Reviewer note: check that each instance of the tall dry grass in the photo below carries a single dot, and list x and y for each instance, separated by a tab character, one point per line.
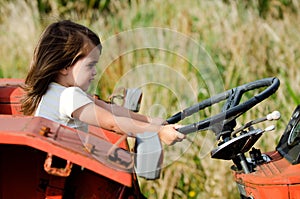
244	41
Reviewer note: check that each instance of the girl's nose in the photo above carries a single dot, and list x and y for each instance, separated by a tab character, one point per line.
94	72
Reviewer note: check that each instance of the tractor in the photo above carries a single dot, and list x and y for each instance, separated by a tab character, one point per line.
40	158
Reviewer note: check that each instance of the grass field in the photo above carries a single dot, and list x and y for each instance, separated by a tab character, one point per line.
178	53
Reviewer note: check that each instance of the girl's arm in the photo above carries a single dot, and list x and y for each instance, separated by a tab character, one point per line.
124	112
96	115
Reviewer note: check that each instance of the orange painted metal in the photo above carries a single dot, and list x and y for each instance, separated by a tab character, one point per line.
22	175
68	145
275	179
10	95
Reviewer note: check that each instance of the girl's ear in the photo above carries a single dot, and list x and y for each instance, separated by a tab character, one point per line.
64	71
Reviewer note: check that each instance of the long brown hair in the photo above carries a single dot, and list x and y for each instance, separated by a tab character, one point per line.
60	46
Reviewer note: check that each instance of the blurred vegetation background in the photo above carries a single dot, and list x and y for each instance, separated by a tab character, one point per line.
245	40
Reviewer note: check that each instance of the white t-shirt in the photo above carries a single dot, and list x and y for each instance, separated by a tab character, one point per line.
59	102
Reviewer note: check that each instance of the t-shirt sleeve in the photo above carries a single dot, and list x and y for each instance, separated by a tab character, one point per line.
71	99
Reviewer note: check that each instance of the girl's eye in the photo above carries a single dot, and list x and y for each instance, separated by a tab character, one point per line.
92	65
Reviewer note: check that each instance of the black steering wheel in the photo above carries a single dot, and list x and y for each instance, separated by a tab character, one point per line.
225	120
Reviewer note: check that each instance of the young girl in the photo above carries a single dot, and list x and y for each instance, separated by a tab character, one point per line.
61	71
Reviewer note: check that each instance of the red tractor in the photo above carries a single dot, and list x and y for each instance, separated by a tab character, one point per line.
42	159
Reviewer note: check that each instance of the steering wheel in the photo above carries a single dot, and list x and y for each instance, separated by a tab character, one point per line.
231	110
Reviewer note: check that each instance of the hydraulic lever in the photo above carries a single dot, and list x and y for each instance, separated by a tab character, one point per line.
275	115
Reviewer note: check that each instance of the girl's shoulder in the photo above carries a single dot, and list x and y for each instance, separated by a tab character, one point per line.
61	88
73	90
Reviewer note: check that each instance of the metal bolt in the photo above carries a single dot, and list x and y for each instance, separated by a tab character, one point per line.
45	131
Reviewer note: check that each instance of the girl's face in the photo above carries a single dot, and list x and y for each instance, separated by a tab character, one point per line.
84	70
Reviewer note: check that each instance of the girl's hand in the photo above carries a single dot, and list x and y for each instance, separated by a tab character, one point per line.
169	135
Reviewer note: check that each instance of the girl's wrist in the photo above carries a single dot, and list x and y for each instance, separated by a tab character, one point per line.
157	121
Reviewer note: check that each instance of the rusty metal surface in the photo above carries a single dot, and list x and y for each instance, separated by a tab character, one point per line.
84	149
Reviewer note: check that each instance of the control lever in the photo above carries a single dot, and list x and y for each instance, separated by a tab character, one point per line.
275	115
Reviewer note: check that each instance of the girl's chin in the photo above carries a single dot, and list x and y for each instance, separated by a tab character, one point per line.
85	88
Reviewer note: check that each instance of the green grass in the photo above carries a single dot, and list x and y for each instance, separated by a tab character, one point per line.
192	51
